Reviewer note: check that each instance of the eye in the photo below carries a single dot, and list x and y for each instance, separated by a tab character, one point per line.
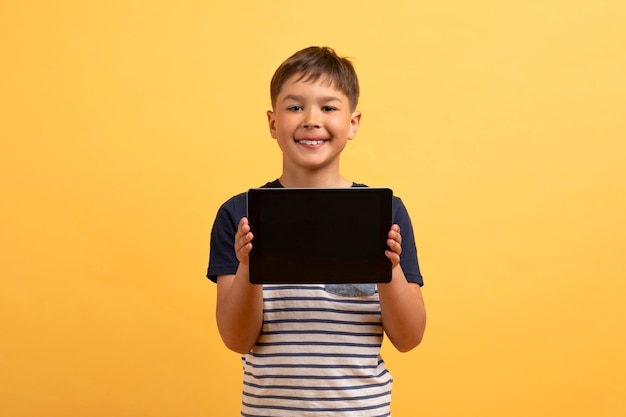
294	108
328	108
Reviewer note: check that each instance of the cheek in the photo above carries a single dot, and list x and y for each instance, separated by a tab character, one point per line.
282	128
284	131
286	124
343	128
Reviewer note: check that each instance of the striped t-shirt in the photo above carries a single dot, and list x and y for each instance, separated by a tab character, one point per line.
318	354
319	349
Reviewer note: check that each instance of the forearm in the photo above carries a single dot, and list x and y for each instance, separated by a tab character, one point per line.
239	311
403	311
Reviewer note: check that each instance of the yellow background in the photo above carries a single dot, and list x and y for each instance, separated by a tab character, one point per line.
125	124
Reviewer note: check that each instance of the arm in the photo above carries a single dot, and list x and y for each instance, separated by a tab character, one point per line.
401	302
239	310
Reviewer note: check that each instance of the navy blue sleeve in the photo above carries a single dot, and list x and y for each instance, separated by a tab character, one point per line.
222	257
408	257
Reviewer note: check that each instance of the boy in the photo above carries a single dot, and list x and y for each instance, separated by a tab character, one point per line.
314	350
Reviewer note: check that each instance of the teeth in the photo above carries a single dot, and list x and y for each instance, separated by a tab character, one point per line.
311	142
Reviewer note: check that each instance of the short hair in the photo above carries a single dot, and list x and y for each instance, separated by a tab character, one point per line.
316	62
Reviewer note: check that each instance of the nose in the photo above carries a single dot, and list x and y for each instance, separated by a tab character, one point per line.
311	120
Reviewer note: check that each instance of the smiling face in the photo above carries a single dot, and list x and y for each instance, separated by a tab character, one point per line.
312	122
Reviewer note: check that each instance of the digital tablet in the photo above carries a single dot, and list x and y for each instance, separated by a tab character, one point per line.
314	235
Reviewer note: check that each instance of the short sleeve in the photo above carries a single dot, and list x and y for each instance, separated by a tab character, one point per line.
222	257
408	257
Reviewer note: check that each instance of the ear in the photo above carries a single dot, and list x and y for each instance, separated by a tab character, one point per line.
355	121
271	121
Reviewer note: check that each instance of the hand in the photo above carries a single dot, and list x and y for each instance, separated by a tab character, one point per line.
243	239
394	242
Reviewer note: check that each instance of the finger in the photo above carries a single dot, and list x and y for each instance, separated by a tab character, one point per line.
394	246
243	240
245	249
395	236
394	231
393	257
244	227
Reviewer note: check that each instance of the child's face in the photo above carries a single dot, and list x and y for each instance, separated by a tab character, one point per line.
312	122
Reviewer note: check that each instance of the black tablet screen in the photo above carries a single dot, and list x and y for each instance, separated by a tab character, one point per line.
315	235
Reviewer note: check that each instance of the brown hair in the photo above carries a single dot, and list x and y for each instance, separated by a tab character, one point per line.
313	63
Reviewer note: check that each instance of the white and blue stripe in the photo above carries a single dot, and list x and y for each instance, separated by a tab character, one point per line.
318	354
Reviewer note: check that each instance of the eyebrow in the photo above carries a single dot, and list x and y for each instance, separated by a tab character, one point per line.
324	99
